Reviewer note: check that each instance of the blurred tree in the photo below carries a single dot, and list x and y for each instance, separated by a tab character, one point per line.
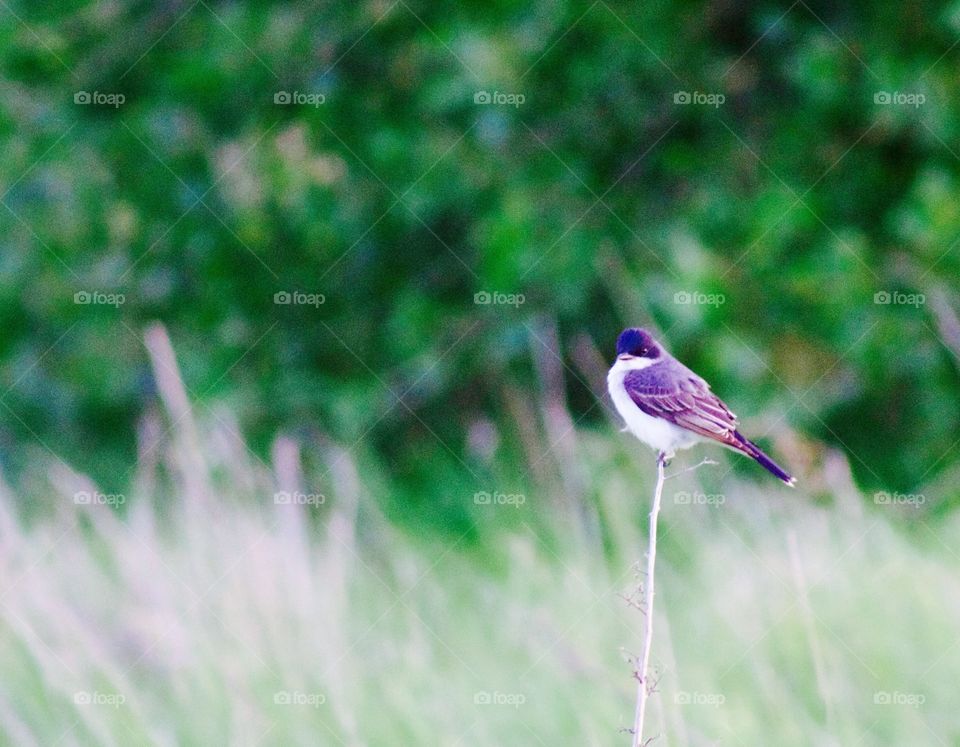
634	162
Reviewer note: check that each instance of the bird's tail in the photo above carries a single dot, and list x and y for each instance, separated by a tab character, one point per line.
752	450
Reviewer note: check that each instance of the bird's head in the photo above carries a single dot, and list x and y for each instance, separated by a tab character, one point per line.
637	343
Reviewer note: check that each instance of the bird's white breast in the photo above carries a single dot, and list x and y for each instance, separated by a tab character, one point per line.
656	433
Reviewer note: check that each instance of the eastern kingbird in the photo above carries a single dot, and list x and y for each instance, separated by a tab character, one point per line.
669	407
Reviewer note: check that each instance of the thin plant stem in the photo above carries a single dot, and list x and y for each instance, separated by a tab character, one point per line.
643	691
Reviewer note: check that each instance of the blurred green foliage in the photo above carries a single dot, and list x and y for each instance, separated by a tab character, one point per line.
398	198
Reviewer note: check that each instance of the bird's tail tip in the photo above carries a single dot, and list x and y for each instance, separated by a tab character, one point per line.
768	464
775	469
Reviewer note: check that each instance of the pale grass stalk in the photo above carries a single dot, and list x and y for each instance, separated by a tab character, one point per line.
173	392
643	691
644	686
816	649
948	323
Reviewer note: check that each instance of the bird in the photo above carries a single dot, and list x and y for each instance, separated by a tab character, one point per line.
668	407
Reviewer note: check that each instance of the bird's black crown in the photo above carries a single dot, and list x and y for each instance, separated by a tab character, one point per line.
638	342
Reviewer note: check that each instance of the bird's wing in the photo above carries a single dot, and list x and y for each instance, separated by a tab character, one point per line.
674	393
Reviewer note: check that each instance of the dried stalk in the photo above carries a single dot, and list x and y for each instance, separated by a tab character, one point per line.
643	692
645	687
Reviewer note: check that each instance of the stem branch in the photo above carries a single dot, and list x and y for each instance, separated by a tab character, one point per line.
690	469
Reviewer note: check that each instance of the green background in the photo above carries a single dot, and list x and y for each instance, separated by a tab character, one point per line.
398	198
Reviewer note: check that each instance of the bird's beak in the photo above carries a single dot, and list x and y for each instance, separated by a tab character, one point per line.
625	357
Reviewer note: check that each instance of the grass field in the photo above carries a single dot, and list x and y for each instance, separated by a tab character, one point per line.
212	607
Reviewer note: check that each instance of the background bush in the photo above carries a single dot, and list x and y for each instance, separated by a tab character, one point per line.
598	199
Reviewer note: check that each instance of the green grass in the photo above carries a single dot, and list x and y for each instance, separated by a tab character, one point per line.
186	620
